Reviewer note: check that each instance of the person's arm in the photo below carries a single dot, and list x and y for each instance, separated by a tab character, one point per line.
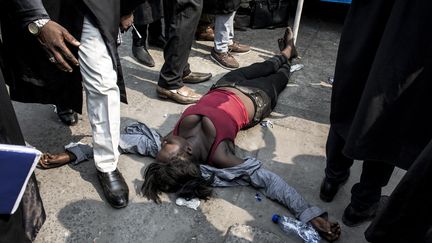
126	22
250	172
278	189
225	157
31	14
27	11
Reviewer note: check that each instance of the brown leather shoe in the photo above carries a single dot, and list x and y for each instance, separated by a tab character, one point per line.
238	48
196	77
224	59
205	33
183	95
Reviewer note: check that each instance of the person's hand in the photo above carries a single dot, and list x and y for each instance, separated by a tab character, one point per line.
126	22
53	37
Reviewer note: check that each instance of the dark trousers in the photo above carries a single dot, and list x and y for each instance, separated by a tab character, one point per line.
181	20
152	30
271	76
375	174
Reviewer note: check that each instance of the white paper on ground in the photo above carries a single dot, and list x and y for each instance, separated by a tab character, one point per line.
193	203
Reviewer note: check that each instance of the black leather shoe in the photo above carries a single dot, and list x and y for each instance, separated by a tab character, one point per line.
67	116
143	56
353	217
195	77
158	41
115	188
328	190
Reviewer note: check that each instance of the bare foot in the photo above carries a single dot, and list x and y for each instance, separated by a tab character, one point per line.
328	230
49	161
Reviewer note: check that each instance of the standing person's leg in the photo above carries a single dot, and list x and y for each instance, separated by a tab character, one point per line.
231	29
103	107
224	32
235	46
139	41
338	166
205	30
365	195
155	34
139	46
181	20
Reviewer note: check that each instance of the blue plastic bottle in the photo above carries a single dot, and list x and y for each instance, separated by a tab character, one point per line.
293	226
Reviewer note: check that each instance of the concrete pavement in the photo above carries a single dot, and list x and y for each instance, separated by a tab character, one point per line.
294	148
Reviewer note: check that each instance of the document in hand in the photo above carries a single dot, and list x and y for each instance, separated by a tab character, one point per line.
17	163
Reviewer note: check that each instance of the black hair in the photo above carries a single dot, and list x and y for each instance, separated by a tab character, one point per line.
178	175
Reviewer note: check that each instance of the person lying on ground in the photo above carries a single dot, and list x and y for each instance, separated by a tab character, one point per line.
200	151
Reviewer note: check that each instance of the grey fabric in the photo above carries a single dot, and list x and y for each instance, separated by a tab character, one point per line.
136	139
251	173
140	139
82	152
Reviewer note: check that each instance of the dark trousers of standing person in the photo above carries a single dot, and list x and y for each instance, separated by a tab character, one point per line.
181	20
148	32
374	176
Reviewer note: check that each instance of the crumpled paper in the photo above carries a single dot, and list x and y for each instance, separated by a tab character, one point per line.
193	203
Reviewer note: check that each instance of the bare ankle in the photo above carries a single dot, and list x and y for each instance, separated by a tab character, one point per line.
287	52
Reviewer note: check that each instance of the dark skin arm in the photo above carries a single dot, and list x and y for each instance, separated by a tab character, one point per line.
126	22
53	38
225	157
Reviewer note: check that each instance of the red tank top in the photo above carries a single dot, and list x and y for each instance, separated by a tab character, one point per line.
225	110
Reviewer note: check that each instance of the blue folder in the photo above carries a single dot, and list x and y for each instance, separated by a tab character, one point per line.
17	163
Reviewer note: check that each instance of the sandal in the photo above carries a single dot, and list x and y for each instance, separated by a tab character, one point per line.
50	161
288	40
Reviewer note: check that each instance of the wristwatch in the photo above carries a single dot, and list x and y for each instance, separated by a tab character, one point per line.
35	27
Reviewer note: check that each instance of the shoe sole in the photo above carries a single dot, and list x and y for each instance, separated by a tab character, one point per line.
381	204
143	63
196	82
220	64
117	207
349	224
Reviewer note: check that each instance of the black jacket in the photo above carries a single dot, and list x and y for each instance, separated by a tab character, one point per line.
382	90
407	214
31	77
148	12
24	224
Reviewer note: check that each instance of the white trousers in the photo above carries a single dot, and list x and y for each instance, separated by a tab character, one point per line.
103	96
224	31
